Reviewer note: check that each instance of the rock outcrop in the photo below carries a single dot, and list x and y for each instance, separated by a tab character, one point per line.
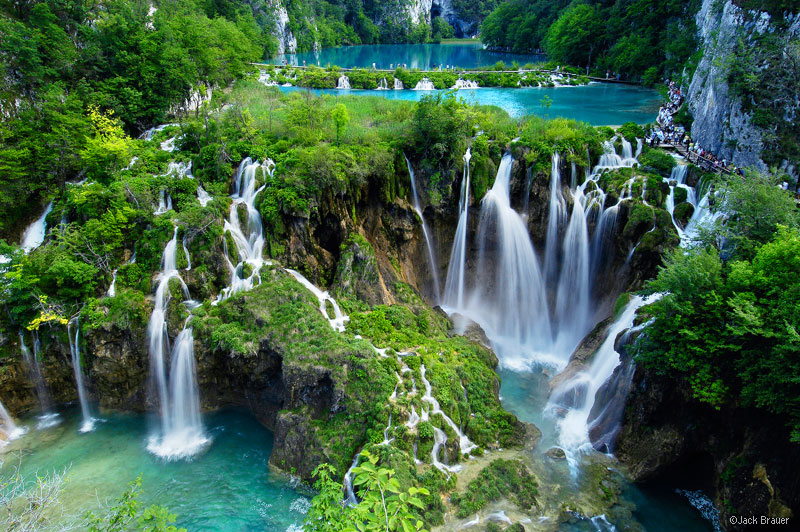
723	123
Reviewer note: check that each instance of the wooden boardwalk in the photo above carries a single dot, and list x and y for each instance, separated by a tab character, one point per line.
694	158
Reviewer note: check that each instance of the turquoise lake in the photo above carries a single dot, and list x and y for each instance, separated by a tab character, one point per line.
227	488
599	104
422	56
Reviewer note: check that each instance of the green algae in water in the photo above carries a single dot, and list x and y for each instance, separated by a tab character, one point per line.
227	488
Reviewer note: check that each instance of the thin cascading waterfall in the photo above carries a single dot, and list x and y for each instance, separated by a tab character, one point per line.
34	234
383	85
202	196
398	85
8	428
603	237
186	254
175	440
464	444
575	397
424	85
350	498
527	200
339	319
48	417
183	435
456	269
573	297
510	300
557	213
425	232
573	177
250	245
75	353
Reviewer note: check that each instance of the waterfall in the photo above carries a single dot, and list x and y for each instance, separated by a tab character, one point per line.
576	396
181	433
465	84
398	85
572	302
349	495
35	375
112	290
34	234
250	246
343	83
424	85
202	196
464	443
339	319
573	176
164	203
8	429
186	254
454	284
555	218
75	352
428	240
382	85
510	297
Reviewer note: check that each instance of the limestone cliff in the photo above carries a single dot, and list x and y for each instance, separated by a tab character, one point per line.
749	125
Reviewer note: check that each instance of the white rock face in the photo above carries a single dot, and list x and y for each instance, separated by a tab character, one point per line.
419	11
720	123
287	43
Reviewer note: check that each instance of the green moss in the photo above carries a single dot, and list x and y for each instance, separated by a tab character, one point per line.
658	160
500	479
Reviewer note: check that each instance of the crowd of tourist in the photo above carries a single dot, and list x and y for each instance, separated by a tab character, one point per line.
669	132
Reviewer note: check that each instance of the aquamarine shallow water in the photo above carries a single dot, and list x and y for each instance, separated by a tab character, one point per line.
228	488
599	104
657	508
422	56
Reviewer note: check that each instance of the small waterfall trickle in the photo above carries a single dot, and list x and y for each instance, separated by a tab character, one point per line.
343	83
462	84
339	318
425	232
398	85
456	269
181	432
383	85
112	289
34	234
202	196
164	203
347	484
75	352
186	254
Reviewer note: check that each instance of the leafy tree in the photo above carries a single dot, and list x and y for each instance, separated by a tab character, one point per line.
575	35
340	119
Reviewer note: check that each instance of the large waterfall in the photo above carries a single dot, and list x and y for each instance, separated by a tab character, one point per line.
456	269
75	352
181	432
47	418
428	241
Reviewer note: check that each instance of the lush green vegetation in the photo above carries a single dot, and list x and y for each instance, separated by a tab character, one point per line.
643	40
501	478
727	324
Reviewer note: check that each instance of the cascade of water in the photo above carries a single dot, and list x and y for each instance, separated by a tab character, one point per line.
250	246
576	396
34	234
382	85
639	146
35	373
349	495
456	269
75	352
425	232
465	84
181	432
186	254
573	178
424	85
339	318
572	301
8	428
164	203
398	85
202	196
343	83
557	214
112	290
627	149
464	443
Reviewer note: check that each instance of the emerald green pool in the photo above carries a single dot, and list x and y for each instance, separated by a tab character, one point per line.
228	488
